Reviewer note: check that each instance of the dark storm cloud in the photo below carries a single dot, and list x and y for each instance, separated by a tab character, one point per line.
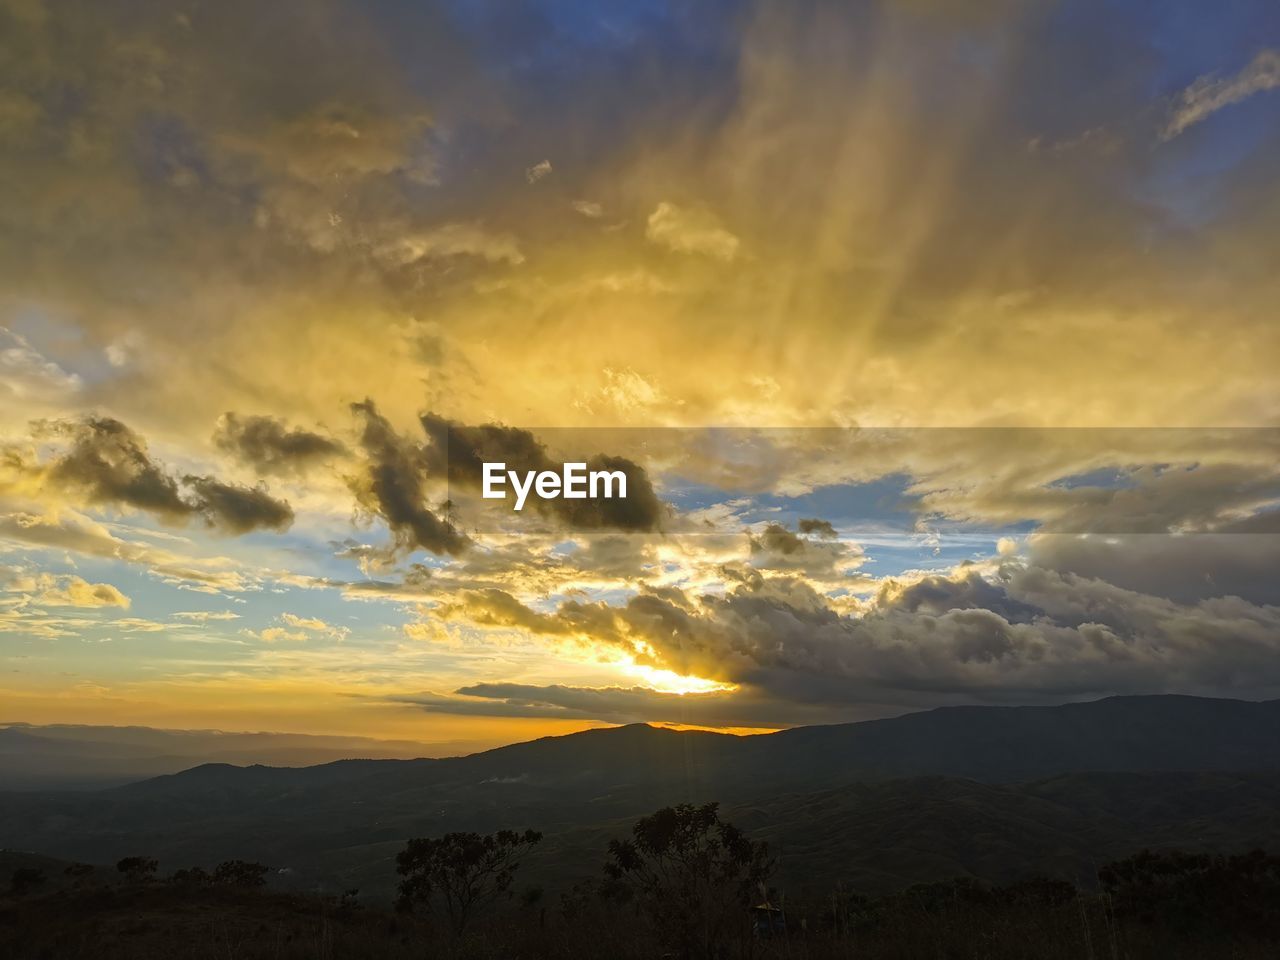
1023	631
237	508
1183	569
1169	498
777	548
937	595
270	447
108	464
459	452
817	527
779	539
391	484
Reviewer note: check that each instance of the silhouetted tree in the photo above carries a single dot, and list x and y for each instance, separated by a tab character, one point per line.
195	877
240	873
1217	895
460	873
693	873
138	869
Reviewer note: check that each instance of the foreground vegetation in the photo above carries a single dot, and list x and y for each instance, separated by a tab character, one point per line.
684	885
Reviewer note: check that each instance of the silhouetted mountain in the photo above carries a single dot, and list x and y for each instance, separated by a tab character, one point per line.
998	744
975	790
82	757
1014	743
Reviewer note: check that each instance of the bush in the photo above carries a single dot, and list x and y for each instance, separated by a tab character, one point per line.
694	874
460	873
240	873
1193	892
138	869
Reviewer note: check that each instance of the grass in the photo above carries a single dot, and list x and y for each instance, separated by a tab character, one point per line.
107	919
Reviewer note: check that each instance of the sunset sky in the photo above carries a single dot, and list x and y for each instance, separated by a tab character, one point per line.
945	335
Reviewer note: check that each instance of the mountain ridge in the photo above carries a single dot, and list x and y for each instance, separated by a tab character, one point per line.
1246	737
989	792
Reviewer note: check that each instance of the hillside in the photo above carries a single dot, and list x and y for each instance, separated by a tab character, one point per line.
986	792
82	757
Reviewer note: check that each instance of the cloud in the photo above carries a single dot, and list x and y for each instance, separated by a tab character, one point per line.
449	240
1209	94
238	509
206	616
635	704
71	531
690	230
1021	632
270	447
817	527
459	451
277	634
777	548
75	592
391	484
912	223
538	171
1187	569
305	623
27	377
50	590
337	140
296	629
108	464
1115	481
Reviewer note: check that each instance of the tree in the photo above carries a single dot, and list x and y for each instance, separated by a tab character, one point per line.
693	873
240	873
1231	895
137	869
461	873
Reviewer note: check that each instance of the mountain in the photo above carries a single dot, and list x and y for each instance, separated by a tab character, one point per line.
1016	743
82	757
998	744
986	791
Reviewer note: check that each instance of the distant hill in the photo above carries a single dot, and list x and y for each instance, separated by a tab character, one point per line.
84	757
997	744
985	791
1017	743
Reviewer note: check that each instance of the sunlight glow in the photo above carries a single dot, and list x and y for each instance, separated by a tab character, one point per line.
668	681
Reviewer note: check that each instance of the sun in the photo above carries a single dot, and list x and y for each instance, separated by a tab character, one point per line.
668	681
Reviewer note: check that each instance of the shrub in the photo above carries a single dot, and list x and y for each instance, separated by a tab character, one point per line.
694	874
1218	895
138	869
460	873
240	873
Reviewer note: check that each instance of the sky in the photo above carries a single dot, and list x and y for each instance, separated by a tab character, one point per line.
938	340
